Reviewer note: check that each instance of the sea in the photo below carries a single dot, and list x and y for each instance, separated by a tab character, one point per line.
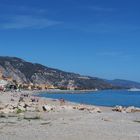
109	98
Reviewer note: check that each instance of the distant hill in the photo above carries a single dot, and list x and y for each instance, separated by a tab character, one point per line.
26	72
124	83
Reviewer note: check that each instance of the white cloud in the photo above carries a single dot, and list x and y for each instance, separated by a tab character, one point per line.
110	28
100	9
24	21
110	54
116	54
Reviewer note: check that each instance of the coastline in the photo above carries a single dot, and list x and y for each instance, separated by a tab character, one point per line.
64	120
66	91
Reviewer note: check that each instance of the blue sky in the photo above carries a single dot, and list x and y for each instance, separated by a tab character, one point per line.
92	37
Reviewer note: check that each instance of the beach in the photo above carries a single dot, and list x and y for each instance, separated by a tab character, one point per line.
53	119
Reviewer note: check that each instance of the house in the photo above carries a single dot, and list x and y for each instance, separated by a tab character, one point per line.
71	85
1	74
3	84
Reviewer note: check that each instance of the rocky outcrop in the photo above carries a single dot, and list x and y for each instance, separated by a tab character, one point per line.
130	109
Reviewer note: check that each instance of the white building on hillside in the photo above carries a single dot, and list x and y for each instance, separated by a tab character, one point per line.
3	83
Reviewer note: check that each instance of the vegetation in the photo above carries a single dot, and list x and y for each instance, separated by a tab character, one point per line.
19	111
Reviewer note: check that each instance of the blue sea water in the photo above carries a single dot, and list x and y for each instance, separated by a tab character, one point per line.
100	98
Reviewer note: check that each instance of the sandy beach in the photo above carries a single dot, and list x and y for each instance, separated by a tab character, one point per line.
60	120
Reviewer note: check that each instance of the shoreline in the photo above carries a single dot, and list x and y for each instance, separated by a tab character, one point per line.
38	92
77	91
51	95
35	93
67	91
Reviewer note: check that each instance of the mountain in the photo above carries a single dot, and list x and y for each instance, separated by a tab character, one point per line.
124	83
26	72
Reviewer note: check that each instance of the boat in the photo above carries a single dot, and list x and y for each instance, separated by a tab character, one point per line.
134	89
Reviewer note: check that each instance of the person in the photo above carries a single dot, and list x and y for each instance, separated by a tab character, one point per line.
62	102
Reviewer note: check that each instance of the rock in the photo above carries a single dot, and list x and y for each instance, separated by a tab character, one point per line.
7	108
132	109
96	110
137	110
67	107
39	108
63	108
106	120
31	109
14	106
21	99
22	104
12	100
7	111
118	109
91	109
81	107
74	107
47	108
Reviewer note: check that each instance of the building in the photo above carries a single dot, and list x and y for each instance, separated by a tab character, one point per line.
71	85
3	84
1	74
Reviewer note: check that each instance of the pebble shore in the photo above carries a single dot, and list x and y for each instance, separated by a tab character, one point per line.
24	116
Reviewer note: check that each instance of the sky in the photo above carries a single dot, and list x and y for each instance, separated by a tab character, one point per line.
99	38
